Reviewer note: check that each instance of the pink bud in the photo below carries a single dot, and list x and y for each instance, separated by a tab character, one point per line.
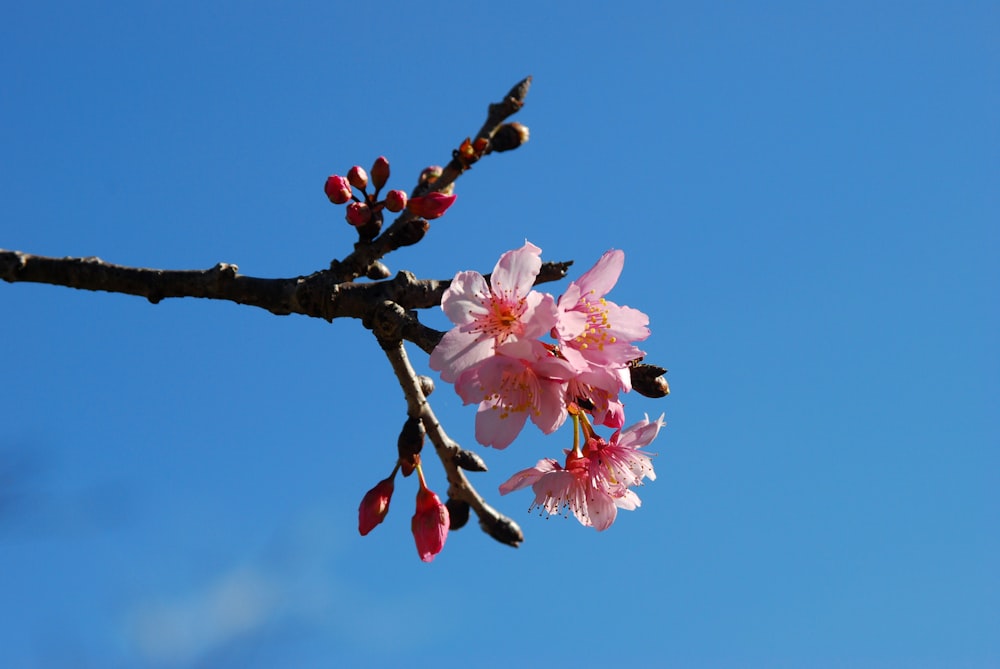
374	506
395	200
358	177
432	205
380	172
358	213
429	524
338	189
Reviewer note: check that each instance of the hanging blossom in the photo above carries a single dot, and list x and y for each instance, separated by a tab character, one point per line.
495	355
597	478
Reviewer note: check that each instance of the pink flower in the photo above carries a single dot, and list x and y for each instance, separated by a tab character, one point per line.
431	206
596	483
374	506
593	332
337	189
512	388
489	315
619	465
558	489
430	523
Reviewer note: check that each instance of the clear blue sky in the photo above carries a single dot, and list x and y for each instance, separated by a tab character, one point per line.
807	195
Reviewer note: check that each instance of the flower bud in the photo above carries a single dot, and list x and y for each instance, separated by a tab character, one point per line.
431	206
395	201
338	189
429	524
358	177
411	232
509	136
380	172
377	271
358	213
647	380
458	513
374	506
426	385
430	174
410	443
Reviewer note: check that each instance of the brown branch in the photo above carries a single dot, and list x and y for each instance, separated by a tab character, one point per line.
317	295
408	229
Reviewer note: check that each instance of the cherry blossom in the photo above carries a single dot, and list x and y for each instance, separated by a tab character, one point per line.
490	314
596	480
593	332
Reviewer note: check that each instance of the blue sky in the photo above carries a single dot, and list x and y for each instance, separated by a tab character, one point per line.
807	196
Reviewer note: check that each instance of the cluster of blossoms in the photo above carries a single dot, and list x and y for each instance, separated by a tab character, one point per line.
365	212
496	357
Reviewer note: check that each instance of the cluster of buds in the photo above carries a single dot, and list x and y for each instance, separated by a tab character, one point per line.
365	209
431	520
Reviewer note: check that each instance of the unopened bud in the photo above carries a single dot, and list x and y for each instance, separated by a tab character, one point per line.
647	380
395	201
380	172
430	174
374	506
358	177
503	529
458	513
358	213
431	206
426	385
429	524
338	189
469	461
410	232
409	444
509	136
377	271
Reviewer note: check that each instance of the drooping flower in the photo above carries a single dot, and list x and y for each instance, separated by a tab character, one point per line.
430	522
374	506
558	489
596	480
618	464
488	315
593	332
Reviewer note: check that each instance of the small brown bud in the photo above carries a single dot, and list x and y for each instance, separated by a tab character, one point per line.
426	385
380	172
469	461
458	513
409	444
503	529
411	232
509	136
377	271
647	380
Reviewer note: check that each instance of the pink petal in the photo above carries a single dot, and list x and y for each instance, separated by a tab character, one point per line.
516	270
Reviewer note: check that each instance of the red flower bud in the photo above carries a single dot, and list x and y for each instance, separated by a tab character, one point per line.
380	172
374	506
358	177
338	189
430	524
430	206
395	200
358	213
